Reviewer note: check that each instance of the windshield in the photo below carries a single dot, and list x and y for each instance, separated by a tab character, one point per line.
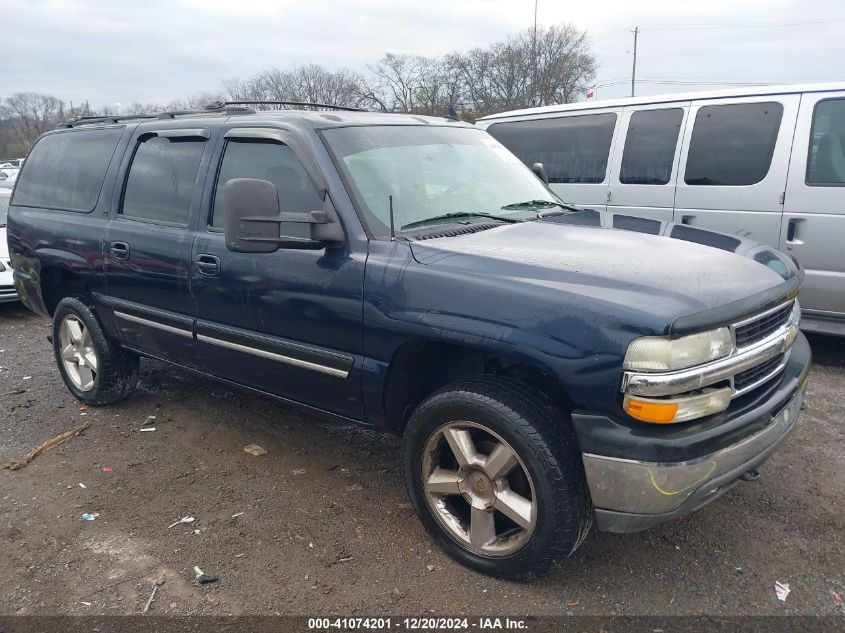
4	209
431	171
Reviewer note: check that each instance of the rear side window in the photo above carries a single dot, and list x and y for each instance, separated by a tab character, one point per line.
733	145
278	164
650	147
66	170
573	149
826	162
161	179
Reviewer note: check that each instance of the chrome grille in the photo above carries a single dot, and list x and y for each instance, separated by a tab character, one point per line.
756	330
750	378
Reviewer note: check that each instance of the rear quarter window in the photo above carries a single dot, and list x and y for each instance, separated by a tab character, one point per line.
66	170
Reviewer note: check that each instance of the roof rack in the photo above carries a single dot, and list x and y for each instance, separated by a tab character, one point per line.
300	104
218	107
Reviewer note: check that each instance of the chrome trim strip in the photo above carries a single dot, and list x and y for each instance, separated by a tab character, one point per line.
331	371
153	324
762	315
671	383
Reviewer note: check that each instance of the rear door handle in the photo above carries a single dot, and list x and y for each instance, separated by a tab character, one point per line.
207	264
119	250
792	231
687	219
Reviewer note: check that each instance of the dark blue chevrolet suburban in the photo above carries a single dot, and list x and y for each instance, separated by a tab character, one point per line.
545	372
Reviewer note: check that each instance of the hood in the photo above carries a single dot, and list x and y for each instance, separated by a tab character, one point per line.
669	279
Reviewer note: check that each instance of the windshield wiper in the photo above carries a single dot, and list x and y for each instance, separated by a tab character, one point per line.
517	206
459	214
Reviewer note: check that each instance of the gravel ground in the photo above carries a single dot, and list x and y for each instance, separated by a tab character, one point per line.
323	524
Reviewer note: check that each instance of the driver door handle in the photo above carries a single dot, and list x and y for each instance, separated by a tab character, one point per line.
208	265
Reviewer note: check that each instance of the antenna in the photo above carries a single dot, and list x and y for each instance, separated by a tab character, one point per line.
392	229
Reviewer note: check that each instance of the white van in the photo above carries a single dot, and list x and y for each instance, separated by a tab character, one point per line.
766	163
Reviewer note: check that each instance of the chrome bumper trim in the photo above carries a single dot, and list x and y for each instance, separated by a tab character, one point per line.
654	488
723	369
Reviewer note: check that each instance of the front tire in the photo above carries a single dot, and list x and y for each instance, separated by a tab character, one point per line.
94	368
493	470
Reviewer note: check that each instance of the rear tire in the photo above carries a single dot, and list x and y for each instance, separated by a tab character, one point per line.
486	447
94	368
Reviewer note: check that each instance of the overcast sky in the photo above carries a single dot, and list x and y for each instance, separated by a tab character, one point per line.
114	51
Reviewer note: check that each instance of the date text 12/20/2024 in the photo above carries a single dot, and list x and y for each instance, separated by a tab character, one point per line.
418	624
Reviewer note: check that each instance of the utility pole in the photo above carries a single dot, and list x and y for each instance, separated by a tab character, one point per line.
534	55
634	69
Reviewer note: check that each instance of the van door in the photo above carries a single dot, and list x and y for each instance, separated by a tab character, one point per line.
734	164
148	242
288	323
814	209
575	150
645	162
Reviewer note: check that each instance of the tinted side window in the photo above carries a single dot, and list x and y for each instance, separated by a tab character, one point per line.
161	179
278	164
826	162
573	149
650	147
733	144
66	170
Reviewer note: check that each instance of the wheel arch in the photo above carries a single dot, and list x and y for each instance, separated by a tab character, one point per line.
420	367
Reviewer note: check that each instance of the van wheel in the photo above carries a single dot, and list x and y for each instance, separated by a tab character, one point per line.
95	369
494	472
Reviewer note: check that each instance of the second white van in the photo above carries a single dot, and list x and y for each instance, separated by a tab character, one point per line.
766	163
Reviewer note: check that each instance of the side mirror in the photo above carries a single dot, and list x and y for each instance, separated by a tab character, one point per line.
539	170
253	220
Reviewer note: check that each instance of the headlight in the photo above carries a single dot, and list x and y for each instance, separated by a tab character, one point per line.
657	353
678	408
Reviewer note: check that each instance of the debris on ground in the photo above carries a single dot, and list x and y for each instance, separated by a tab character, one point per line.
147	428
87	604
17	464
90	516
82	485
430	567
298	471
782	590
202	578
345	559
221	394
255	449
150	599
106	468
182	520
354	487
236	515
149	421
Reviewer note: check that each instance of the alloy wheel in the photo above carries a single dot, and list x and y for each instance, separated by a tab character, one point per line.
479	489
78	354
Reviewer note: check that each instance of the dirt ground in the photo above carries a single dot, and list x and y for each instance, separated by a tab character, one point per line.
323	524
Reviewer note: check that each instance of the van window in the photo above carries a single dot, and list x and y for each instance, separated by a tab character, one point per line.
161	179
573	149
650	147
733	144
826	162
278	164
66	170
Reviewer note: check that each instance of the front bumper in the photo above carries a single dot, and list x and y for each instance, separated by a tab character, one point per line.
632	494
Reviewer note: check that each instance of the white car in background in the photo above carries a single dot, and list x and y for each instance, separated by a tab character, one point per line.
7	285
8	176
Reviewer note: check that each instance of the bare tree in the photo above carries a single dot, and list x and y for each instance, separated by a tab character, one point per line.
31	114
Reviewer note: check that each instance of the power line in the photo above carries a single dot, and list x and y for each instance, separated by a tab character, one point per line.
770	25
